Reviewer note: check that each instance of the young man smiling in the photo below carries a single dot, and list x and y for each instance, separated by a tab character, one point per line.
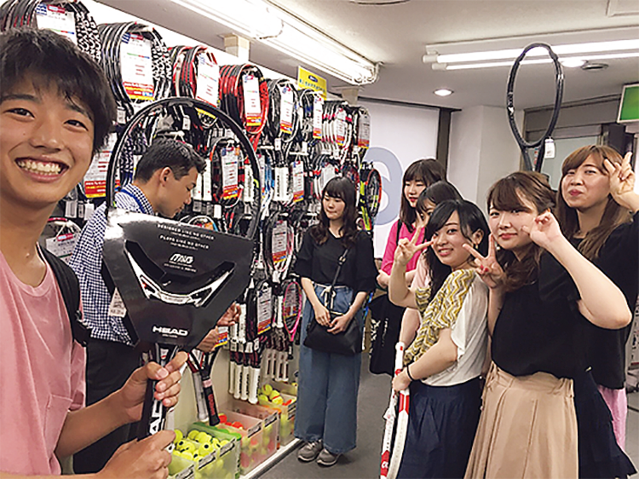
55	112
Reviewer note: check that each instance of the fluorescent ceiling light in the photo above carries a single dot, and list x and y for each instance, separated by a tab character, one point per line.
259	20
443	92
570	46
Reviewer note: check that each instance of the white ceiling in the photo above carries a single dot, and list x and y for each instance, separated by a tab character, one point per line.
396	35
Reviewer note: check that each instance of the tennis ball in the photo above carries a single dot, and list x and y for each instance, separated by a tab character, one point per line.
178	436
222	417
193	434
237	425
204	449
203	438
244	442
267	388
277	400
262	399
187	455
188	447
273	393
224	442
181	445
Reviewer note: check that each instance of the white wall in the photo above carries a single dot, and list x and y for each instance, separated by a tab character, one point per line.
482	150
399	136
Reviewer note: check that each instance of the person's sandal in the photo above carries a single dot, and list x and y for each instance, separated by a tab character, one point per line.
327	458
309	451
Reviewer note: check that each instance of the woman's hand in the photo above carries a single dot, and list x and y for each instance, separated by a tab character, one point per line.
322	316
340	323
544	231
622	182
488	268
406	249
401	381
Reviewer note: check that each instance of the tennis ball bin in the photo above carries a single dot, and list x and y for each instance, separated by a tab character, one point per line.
224	463
270	418
286	411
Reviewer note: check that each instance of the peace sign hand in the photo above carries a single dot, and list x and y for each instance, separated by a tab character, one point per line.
488	268
622	181
544	231
406	249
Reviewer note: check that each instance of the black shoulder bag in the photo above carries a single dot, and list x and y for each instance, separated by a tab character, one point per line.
349	341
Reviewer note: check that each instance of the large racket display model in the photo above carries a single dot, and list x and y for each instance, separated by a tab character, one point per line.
392	450
175	279
510	96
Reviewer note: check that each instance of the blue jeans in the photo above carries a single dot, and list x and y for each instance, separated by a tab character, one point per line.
327	386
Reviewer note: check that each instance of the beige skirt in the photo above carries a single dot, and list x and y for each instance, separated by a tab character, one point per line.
527	429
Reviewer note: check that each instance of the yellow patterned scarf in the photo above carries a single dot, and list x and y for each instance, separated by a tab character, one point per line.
440	313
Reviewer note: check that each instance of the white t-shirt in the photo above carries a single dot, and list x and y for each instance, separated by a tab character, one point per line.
470	335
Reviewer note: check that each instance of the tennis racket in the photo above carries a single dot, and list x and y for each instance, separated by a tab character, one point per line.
390	463
292	308
200	365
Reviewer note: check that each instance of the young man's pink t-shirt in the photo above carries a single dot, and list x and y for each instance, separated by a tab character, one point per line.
42	373
391	245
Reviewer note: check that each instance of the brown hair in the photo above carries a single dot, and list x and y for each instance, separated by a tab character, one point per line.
506	195
613	214
427	170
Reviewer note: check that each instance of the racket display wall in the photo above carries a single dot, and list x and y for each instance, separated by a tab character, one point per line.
301	140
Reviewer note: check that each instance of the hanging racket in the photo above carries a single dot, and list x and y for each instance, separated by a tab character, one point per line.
292	302
510	95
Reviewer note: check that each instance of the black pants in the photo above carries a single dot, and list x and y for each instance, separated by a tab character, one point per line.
109	365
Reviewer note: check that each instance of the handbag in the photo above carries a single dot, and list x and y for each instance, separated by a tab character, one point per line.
349	341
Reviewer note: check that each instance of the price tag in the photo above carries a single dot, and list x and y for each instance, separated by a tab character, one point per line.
328	173
281	183
247	195
208	80
298	181
207	190
364	131
95	178
217	211
230	173
136	67
340	127
223	336
196	192
252	105
286	109
52	17
89	209
264	310
318	109
70	209
62	245
117	307
279	241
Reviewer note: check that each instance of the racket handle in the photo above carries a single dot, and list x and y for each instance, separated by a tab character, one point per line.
152	413
202	413
268	359
209	395
237	387
232	366
254	383
399	357
281	362
245	383
285	368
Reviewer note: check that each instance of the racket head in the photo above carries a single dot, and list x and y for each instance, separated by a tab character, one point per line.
292	308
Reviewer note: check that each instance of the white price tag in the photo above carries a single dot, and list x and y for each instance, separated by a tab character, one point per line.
298	181
278	242
207	190
264	310
230	173
328	173
252	105
341	127
53	17
95	177
247	195
208	80
286	109
62	246
364	131
318	110
117	307
89	209
136	66
281	184
70	209
549	148
196	192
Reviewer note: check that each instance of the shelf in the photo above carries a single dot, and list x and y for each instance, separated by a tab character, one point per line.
281	453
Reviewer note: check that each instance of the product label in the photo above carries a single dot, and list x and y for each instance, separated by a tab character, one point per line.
95	178
223	336
318	110
117	307
62	245
136	66
279	242
298	181
264	310
230	173
52	17
340	127
286	109
208	79
364	131
252	105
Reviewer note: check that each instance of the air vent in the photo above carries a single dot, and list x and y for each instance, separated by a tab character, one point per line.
594	66
379	2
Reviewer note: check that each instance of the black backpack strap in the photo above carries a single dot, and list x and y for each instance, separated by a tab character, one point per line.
70	289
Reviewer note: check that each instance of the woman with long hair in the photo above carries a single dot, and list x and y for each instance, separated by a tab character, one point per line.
595	208
328	382
542	291
444	362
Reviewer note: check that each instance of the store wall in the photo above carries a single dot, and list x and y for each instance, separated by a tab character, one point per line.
482	150
399	136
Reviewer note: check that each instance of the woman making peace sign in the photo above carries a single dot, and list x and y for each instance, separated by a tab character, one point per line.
444	362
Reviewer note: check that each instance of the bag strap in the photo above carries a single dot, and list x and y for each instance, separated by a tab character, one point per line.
70	289
340	262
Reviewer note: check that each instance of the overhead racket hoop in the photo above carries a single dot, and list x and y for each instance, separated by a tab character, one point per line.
510	94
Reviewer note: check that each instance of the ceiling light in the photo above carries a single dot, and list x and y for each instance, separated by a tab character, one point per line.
261	21
569	47
443	92
573	62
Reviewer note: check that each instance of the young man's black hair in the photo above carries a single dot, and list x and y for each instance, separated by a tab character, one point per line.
43	57
180	157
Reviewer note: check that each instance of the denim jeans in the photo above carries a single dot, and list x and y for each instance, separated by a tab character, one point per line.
327	386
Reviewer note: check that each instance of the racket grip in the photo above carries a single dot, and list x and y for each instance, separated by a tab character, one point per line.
285	368
211	406
279	366
202	413
268	359
152	413
237	387
232	366
245	383
254	382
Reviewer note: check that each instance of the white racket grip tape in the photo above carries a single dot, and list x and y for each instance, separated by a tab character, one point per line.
202	413
232	366
285	370
254	382
279	365
242	324
237	388
399	357
270	363
245	383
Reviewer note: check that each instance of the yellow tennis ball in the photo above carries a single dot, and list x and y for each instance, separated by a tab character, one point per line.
187	455
205	449
178	436
262	399
188	447
267	388
203	438
273	393
193	434
277	400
